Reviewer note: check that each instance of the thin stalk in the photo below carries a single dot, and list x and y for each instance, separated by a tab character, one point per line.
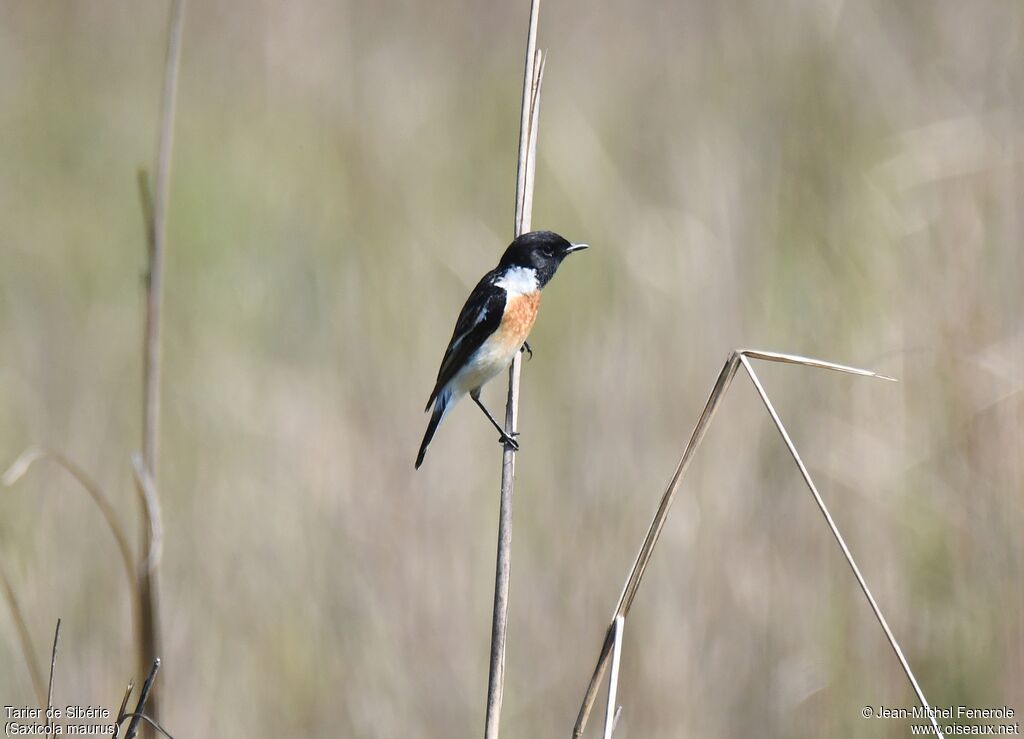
121	713
636	573
150	637
24	638
149	722
533	76
34	454
140	708
840	541
53	665
156	237
611	713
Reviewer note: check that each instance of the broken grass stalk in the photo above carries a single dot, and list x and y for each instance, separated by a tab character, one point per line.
737	357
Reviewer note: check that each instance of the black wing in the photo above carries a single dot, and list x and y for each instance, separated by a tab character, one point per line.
480	317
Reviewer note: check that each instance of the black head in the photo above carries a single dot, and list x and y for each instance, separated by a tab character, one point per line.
541	251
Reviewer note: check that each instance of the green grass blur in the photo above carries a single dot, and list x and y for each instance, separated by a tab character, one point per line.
842	180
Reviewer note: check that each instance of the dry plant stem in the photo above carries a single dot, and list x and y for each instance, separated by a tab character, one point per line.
610	713
121	714
146	490
839	540
149	722
530	110
643	556
156	236
725	377
24	638
53	664
150	640
140	707
34	454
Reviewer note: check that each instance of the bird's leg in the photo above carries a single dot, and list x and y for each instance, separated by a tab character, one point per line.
504	438
526	348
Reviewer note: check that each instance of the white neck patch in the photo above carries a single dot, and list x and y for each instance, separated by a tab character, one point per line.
519	281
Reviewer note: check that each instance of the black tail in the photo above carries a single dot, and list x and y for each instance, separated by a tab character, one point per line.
435	419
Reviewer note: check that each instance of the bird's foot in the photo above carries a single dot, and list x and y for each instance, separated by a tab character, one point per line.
507	439
526	348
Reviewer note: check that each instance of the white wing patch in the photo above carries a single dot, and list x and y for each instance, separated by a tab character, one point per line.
518	281
480	316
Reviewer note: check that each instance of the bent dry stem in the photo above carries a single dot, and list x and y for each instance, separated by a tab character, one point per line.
612	642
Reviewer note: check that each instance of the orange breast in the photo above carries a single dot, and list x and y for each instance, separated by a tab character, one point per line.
520	313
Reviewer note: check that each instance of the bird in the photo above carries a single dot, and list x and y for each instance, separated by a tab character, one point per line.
493	326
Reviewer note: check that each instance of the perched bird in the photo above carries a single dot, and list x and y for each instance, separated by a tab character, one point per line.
494	324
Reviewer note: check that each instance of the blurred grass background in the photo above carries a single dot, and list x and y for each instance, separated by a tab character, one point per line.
836	179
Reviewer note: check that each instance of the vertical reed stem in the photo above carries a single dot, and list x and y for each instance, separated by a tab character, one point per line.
532	77
150	637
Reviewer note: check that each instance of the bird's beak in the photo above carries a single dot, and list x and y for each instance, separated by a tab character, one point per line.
576	247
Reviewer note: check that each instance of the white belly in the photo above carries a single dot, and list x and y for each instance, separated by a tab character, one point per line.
486	363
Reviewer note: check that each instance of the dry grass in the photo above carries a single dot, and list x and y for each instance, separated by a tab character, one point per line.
612	647
533	79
